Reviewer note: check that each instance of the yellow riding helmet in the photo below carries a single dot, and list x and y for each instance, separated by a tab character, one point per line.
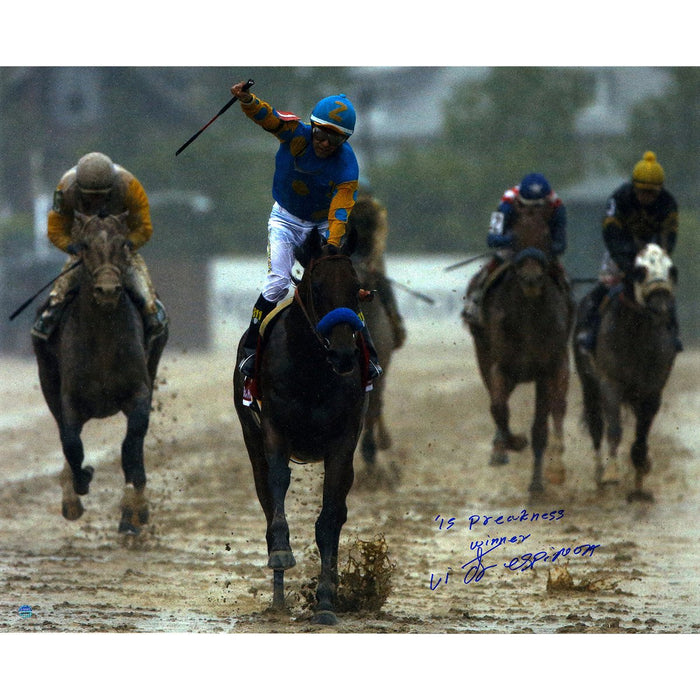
95	173
648	173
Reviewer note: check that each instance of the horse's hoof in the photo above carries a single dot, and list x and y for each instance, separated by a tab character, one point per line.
126	528
281	559
498	459
536	488
324	617
129	525
143	516
516	443
610	475
640	496
72	510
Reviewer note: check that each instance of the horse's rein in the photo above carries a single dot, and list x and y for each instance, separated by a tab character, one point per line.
325	343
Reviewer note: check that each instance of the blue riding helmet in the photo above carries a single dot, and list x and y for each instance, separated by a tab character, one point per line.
534	187
335	112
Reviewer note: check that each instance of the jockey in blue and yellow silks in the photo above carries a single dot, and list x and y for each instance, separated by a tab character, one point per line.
314	186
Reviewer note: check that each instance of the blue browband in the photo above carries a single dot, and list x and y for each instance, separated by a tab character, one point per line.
340	315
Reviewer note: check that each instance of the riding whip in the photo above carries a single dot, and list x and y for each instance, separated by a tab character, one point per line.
31	299
466	262
422	297
246	87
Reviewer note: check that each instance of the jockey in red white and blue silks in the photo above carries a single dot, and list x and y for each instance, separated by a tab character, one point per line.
533	189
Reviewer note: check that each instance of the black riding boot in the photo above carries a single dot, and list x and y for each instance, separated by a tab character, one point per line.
155	323
261	309
375	369
48	320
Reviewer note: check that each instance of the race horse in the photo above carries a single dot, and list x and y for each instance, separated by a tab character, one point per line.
528	314
96	364
367	223
310	385
631	363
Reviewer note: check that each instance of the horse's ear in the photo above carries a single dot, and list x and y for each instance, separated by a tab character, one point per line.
310	249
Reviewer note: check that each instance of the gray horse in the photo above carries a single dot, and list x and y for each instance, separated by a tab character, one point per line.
96	364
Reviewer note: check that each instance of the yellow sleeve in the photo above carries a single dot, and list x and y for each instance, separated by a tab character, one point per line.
139	220
58	229
341	205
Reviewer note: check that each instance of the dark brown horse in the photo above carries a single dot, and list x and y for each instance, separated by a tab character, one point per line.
528	313
312	390
96	365
367	223
631	364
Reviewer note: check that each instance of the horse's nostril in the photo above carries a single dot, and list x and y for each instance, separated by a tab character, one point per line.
341	362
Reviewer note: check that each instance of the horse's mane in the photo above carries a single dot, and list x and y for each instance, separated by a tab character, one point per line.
368	222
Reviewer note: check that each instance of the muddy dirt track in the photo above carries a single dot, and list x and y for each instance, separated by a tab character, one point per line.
200	566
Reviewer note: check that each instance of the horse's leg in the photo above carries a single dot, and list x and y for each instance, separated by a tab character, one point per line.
71	507
611	401
278	477
500	389
337	480
384	440
70	429
134	507
558	390
645	411
368	443
539	432
592	410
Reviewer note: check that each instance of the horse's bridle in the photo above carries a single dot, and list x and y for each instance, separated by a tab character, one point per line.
308	308
105	266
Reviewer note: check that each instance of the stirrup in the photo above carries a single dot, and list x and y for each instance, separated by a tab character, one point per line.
247	365
46	323
374	370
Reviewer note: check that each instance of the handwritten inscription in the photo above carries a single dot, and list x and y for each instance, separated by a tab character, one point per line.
475	569
445	523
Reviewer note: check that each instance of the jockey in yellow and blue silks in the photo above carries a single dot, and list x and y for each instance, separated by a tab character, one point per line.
314	186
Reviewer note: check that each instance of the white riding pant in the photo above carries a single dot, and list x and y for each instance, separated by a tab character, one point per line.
284	232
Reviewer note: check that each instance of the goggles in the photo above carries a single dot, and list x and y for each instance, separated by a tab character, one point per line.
531	202
333	137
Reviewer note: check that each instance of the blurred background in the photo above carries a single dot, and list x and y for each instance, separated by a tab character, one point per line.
438	145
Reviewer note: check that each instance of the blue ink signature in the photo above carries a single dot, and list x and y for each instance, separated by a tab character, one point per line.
525	562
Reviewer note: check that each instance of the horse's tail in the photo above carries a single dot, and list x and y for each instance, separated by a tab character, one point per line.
590	387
